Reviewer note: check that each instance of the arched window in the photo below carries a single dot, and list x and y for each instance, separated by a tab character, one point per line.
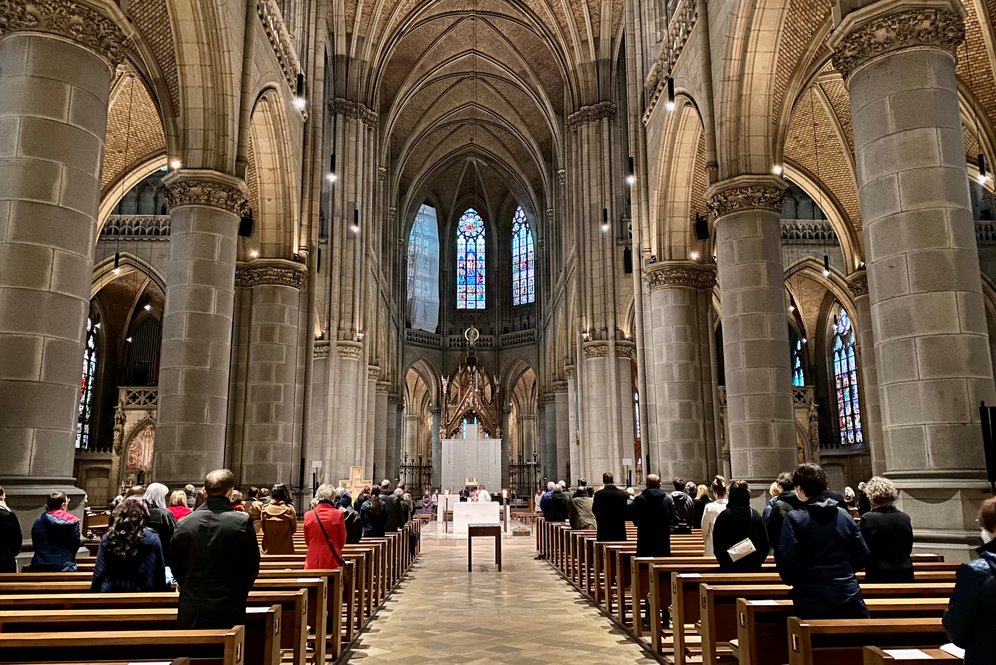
523	258
85	414
636	415
798	376
845	376
471	261
423	271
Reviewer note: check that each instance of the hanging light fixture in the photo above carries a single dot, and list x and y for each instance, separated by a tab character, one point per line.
332	176
605	220
791	305
983	173
355	228
299	101
670	93
631	174
826	265
117	263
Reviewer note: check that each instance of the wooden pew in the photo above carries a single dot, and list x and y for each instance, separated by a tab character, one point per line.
842	641
877	656
262	627
220	647
762	624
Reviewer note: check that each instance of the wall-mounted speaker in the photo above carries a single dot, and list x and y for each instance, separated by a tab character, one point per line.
246	224
701	227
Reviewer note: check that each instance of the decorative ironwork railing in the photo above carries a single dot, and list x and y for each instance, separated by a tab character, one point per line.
136	227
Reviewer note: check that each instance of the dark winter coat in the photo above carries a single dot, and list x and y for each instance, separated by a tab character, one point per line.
820	550
684	508
10	541
559	507
733	525
581	515
889	535
652	513
699	510
971	613
609	507
395	512
373	522
145	571
215	560
164	524
787	502
354	525
56	538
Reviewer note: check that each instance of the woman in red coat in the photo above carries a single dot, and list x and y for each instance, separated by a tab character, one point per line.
324	546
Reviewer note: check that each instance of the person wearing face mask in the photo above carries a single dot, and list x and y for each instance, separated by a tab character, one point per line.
971	613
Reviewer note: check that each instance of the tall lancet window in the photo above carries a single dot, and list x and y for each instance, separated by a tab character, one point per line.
84	415
523	259
471	258
423	271
845	376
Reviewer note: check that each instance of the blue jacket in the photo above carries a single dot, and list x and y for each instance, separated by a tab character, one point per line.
146	571
819	551
971	613
56	538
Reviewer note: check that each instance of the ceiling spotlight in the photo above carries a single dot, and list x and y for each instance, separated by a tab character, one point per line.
776	169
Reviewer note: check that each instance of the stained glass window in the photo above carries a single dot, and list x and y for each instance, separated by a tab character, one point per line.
798	376
85	413
636	415
471	261
845	376
523	258
423	271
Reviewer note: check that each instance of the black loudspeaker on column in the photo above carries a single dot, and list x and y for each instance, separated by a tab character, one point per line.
988	417
701	227
245	224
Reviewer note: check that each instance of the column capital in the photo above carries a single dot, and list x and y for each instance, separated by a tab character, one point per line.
354	110
93	26
892	25
321	350
271	271
569	372
435	410
373	373
593	113
348	350
679	274
559	387
394	398
857	283
383	387
203	187
746	192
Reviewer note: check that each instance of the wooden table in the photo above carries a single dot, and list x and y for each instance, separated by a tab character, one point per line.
483	531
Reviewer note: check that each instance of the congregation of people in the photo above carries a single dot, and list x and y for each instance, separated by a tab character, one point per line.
209	541
820	539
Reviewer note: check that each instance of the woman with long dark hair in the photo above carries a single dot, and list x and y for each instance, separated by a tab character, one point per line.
279	522
374	515
130	558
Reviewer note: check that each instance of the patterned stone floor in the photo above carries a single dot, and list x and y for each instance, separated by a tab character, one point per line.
525	615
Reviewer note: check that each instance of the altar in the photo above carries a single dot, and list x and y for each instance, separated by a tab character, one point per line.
471	457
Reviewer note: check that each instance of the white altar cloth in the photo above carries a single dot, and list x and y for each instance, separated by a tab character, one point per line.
468	512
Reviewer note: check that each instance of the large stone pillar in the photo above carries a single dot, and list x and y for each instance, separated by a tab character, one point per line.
394	430
437	449
608	407
679	392
871	407
197	324
925	291
370	445
55	73
527	425
564	468
573	449
382	428
551	464
506	442
755	329
268	435
346	421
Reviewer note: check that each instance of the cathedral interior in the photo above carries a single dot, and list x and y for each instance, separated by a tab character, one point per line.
685	237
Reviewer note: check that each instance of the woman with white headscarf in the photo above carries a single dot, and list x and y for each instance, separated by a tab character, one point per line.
161	520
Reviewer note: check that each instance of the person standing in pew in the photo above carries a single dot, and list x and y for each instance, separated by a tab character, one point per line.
970	621
684	508
820	551
279	521
739	522
581	515
559	508
702	499
374	515
10	536
888	533
391	505
55	536
787	502
609	506
351	519
652	512
215	559
130	557
711	512
161	520
178	505
324	532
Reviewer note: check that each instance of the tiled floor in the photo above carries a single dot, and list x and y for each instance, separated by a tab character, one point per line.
525	615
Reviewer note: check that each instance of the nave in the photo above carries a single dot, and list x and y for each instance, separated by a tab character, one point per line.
524	615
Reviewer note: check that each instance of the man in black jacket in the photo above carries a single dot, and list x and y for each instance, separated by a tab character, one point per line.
684	506
653	511
392	503
559	509
788	501
215	559
609	507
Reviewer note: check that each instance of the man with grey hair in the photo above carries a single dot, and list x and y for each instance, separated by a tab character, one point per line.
392	504
191	493
215	559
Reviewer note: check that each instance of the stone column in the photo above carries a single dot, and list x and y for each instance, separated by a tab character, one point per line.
678	393
270	369
369	444
505	446
573	450
871	407
346	422
551	463
565	470
527	423
197	324
925	292
437	448
755	331
411	433
55	73
382	425
394	427
606	403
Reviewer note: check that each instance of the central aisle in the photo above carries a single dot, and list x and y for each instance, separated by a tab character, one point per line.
525	615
